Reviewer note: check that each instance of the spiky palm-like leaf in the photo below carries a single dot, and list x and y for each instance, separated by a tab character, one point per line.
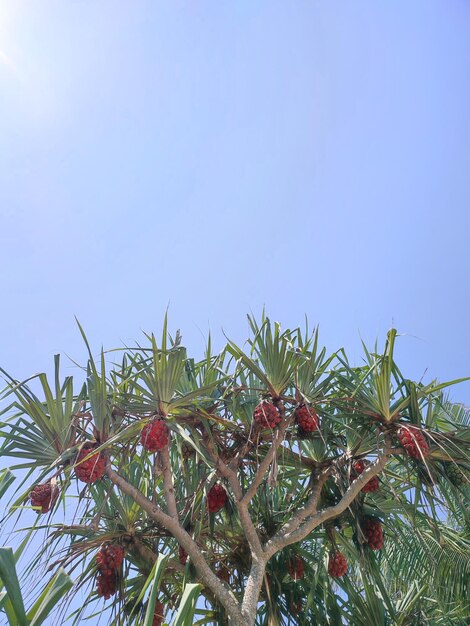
276	482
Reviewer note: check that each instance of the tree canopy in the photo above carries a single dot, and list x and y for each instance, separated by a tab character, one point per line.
272	483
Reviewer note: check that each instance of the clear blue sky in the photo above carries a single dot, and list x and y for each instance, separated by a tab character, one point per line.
309	156
312	157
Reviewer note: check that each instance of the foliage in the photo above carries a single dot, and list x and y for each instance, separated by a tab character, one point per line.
291	494
11	600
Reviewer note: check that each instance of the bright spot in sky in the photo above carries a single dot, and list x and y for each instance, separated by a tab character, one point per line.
6	24
5	59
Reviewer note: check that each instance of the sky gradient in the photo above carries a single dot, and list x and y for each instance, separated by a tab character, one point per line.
218	157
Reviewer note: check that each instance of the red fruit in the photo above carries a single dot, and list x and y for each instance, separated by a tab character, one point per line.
106	585
182	555
296	607
216	498
306	418
296	568
223	574
92	469
372	530
414	442
155	435
44	496
109	559
158	615
267	415
337	565
358	468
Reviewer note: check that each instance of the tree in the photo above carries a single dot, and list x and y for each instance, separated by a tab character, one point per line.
290	485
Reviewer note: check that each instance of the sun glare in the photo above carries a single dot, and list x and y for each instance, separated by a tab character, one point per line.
5	60
4	20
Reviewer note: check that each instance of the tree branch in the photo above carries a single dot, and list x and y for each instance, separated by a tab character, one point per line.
247	523
283	539
253	589
224	596
265	463
168	487
309	508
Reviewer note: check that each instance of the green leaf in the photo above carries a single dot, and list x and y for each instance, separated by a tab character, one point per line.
6	479
185	615
5	605
12	586
154	580
50	596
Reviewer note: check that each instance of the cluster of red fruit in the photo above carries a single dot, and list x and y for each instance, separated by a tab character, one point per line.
337	564
414	442
44	496
155	436
110	558
296	568
267	415
108	561
216	498
90	469
106	586
306	418
357	468
158	614
372	530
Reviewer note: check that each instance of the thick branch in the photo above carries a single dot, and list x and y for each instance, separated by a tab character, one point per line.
265	463
282	539
308	509
224	596
168	487
253	589
242	508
